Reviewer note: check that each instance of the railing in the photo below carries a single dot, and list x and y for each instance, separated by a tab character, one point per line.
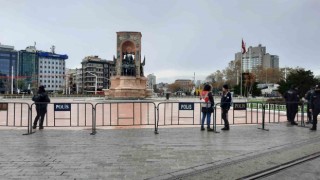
15	114
143	113
125	113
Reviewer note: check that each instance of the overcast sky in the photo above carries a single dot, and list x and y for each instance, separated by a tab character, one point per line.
179	37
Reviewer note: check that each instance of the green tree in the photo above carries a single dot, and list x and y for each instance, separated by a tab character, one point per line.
301	79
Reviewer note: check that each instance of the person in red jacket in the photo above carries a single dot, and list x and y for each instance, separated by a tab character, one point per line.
207	106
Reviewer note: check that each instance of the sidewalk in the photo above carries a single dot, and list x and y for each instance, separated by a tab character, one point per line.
140	154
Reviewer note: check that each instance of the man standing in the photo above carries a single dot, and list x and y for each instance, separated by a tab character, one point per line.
41	100
315	107
292	100
225	106
308	98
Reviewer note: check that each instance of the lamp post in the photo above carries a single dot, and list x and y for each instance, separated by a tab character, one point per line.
95	89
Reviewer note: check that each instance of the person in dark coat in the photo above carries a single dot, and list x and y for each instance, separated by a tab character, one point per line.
315	107
225	104
308	98
292	101
206	106
41	100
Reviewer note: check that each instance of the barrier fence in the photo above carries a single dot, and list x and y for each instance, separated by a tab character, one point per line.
144	113
125	114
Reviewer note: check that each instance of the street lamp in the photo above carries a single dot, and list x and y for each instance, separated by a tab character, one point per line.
95	89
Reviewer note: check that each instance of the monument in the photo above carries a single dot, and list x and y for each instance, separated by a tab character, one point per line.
129	81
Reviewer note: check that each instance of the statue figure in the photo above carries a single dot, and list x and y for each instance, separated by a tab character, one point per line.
141	67
128	65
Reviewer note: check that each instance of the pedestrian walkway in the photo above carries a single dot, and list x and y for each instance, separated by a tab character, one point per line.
140	154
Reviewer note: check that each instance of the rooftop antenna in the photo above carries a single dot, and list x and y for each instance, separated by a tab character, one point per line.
53	49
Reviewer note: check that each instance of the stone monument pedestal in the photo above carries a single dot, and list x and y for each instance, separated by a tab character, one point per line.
127	87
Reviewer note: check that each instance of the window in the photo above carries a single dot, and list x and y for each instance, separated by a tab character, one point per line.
41	81
45	66
45	71
48	85
45	81
40	71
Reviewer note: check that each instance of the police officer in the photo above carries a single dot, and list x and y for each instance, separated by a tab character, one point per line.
225	106
292	100
308	98
41	99
315	107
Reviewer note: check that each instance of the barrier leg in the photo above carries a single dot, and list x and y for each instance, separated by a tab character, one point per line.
263	118
215	121
94	131
156	121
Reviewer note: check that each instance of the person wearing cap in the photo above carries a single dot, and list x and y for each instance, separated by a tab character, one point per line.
315	107
225	104
292	102
206	106
41	100
308	98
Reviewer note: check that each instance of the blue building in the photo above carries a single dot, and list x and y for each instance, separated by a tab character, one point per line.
8	69
52	70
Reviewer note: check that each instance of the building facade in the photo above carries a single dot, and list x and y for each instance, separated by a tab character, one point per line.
8	69
71	87
152	81
257	56
52	71
28	69
185	84
101	68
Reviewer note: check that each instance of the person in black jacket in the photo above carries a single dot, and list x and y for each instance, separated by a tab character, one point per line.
308	98
315	107
41	100
206	106
225	104
292	101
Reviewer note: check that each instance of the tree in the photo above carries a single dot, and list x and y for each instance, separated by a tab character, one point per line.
301	79
267	75
216	79
174	87
232	73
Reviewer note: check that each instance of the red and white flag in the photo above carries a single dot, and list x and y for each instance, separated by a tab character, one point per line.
243	47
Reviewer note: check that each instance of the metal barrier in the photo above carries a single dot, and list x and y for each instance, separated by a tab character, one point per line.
142	113
244	113
125	113
15	114
277	112
180	113
66	115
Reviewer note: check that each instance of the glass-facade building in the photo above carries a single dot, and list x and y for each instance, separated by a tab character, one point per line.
28	69
8	69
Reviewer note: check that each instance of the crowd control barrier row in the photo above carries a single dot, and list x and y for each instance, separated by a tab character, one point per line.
144	113
15	114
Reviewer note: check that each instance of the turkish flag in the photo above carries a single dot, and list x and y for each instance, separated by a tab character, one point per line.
243	47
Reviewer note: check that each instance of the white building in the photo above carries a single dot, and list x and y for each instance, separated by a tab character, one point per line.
257	56
52	71
151	81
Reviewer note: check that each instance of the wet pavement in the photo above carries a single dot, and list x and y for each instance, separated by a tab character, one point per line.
137	153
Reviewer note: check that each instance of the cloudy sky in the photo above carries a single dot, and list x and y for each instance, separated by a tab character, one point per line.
179	37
